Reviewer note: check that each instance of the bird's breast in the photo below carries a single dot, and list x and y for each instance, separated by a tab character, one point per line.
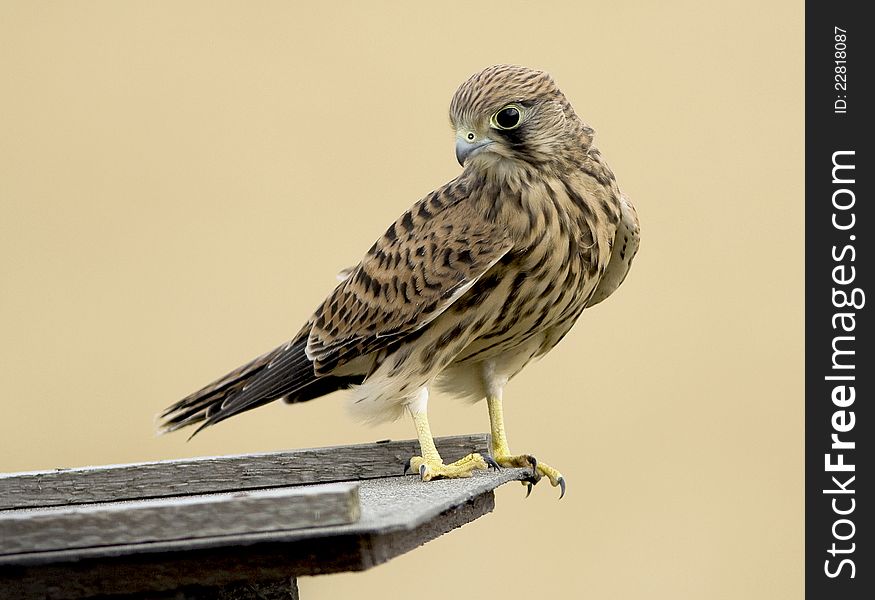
539	286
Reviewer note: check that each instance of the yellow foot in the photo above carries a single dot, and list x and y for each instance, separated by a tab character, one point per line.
539	470
436	469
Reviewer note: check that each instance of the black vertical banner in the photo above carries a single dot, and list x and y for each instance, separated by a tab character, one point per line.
839	364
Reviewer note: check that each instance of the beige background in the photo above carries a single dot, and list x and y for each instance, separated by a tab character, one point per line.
180	182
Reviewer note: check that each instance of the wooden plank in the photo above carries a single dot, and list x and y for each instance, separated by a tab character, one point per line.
165	519
222	473
387	504
398	515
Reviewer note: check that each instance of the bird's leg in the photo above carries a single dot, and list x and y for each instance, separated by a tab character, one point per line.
501	452
430	465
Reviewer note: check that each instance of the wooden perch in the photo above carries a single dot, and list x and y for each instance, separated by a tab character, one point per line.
229	527
220	473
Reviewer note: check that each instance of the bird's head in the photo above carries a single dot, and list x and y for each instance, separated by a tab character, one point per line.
510	113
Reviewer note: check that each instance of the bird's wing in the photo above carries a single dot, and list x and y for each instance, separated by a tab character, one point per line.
425	261
625	246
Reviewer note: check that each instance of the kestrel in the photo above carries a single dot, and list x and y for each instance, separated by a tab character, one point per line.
468	286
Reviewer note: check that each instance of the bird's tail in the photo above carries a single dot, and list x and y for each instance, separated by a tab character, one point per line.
285	373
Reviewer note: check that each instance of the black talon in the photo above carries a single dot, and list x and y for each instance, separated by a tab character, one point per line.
407	465
529	490
491	462
534	463
561	487
421	471
531	481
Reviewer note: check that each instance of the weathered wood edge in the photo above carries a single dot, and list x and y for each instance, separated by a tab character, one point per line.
401	520
166	519
263	562
221	473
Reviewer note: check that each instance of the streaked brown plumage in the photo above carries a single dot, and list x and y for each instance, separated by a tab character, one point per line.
468	285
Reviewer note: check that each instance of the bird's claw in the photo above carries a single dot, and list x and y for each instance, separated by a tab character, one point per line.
434	468
406	466
491	462
539	471
533	480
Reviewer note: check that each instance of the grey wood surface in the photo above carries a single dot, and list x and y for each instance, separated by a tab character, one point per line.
173	575
221	473
191	517
386	505
397	514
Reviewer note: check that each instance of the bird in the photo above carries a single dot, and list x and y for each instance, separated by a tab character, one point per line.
469	285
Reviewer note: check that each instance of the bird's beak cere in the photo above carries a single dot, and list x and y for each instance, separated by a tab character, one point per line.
466	147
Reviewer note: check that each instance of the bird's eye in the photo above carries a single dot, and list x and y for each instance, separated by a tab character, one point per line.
508	117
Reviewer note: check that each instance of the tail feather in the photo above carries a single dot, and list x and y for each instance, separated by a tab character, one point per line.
284	372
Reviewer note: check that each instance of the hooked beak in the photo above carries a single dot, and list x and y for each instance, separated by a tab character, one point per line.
464	148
